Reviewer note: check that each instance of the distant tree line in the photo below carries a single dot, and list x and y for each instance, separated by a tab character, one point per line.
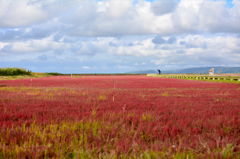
8	71
53	73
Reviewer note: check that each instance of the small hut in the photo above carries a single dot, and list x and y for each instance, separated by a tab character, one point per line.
211	71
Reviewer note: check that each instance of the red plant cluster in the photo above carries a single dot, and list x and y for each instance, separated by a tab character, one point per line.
146	115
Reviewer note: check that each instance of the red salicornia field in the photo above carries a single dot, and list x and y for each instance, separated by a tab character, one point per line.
143	117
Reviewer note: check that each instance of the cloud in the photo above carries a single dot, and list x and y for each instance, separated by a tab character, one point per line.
221	19
166	33
2	45
121	18
6	48
58	52
88	48
30	33
159	62
20	14
171	40
112	44
158	40
117	18
182	42
118	8
180	51
163	7
186	49
195	42
42	45
29	12
129	44
166	48
85	67
42	57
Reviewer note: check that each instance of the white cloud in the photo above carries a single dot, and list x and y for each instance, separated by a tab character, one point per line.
3	44
28	30
187	49
163	7
159	62
28	12
117	8
19	13
221	19
111	18
88	48
85	67
124	67
41	45
103	33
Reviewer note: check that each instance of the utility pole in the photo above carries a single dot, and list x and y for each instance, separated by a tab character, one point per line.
115	75
115	80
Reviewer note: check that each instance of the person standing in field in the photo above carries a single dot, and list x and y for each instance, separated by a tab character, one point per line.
159	71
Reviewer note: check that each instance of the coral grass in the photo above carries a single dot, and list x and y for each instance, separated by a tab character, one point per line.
64	117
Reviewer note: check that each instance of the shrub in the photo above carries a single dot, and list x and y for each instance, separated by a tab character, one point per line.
14	71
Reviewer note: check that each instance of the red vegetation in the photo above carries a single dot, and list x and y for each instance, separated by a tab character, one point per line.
147	114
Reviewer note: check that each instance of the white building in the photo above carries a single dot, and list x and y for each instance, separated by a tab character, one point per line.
211	71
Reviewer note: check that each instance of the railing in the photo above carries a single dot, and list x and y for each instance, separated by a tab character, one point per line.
198	77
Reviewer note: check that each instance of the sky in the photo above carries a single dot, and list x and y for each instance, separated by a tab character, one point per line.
118	36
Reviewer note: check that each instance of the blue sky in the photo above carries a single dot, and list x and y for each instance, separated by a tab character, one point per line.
229	3
75	36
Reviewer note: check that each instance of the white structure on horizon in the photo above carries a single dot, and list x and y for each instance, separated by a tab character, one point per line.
211	71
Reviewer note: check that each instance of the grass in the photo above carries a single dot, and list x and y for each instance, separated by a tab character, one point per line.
12	73
32	75
15	73
209	80
77	76
102	97
70	140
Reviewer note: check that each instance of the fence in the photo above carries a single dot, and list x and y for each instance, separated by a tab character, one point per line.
198	77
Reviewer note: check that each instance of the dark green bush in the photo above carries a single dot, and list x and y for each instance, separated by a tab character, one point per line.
54	73
8	71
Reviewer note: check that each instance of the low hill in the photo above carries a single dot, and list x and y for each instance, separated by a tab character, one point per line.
194	70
